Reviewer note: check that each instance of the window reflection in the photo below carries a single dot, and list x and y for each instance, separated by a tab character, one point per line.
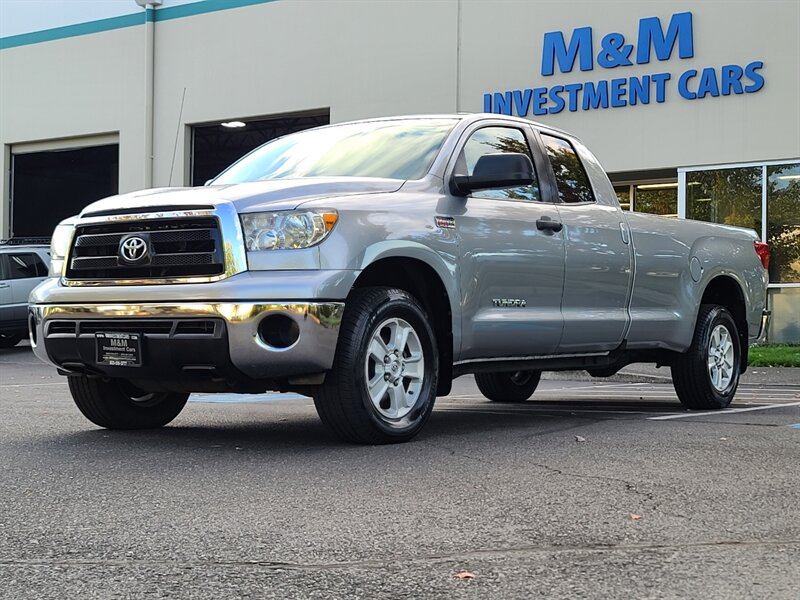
783	222
656	198
402	149
571	178
623	196
727	196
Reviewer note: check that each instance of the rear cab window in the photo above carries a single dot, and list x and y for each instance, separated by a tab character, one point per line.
571	178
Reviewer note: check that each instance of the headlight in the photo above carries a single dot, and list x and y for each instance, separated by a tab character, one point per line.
59	246
286	229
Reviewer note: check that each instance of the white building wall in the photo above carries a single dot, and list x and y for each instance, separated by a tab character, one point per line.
361	59
502	50
75	88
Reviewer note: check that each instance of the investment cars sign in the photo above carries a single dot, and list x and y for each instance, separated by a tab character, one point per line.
615	52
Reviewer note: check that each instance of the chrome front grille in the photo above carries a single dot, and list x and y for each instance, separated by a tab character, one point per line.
176	248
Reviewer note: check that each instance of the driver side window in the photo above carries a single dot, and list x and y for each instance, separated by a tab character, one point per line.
491	140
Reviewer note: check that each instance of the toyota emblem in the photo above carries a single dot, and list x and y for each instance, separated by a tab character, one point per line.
133	249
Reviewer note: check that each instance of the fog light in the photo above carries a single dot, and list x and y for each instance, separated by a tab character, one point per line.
278	331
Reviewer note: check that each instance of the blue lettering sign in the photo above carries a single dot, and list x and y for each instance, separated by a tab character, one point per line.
683	84
731	79
618	92
623	91
595	95
651	34
558	101
555	49
758	80
639	90
708	83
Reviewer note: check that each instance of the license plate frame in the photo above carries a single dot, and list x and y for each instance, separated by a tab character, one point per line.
118	349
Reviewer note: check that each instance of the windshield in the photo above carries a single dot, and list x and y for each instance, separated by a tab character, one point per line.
402	149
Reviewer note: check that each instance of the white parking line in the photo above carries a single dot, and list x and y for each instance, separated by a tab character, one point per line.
33	384
726	411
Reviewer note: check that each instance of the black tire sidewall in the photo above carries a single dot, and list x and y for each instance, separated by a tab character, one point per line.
107	403
9	340
501	387
403	307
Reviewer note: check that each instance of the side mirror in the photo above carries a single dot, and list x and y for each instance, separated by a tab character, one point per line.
499	170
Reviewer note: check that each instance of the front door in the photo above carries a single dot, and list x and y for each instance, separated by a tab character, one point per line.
511	272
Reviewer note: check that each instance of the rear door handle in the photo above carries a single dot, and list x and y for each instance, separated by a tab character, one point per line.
545	224
4	285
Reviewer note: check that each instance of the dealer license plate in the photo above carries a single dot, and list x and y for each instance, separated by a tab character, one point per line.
119	349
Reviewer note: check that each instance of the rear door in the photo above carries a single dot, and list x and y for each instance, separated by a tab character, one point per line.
511	272
598	276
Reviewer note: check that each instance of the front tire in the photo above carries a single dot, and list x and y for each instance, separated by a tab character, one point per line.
116	404
510	387
707	374
382	386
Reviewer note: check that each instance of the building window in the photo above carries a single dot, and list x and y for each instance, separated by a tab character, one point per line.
783	222
656	198
727	196
624	196
766	198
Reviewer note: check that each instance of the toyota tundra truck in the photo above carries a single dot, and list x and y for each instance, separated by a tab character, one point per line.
368	264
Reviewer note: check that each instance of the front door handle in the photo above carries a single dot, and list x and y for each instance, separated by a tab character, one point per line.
545	224
4	285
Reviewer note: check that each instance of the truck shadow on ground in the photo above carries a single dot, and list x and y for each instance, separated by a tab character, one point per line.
262	433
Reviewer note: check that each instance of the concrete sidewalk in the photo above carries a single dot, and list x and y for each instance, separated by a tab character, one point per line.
648	373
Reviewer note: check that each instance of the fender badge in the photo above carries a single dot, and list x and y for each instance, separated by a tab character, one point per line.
445	222
509	302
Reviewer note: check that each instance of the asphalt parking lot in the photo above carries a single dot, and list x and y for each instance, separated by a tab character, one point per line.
593	489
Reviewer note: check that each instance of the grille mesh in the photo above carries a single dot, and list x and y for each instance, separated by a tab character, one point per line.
176	248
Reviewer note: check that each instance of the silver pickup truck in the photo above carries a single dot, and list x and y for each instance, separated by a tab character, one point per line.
368	264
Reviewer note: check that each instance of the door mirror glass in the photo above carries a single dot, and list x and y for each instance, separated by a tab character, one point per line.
495	163
500	170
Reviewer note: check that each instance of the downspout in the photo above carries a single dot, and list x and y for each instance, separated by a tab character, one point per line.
149	85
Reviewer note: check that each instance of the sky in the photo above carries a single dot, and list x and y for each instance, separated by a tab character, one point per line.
26	16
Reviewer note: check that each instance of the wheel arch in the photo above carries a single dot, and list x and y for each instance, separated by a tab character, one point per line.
420	279
725	290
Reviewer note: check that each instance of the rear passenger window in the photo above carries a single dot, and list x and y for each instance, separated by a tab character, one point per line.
25	266
491	140
571	179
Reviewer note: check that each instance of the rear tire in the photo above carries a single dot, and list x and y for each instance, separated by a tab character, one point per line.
9	340
116	404
509	387
382	385
707	374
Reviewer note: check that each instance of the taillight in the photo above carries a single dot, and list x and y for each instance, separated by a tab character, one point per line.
762	250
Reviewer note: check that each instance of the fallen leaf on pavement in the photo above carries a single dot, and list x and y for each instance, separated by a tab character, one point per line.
580	438
635	517
464	575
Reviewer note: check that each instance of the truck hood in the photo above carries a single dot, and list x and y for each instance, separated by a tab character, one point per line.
275	194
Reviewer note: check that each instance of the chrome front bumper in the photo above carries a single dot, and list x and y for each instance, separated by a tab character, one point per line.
313	351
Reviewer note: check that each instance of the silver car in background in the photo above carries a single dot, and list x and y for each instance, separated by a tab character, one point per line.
23	266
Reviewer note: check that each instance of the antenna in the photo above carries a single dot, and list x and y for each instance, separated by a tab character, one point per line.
177	134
